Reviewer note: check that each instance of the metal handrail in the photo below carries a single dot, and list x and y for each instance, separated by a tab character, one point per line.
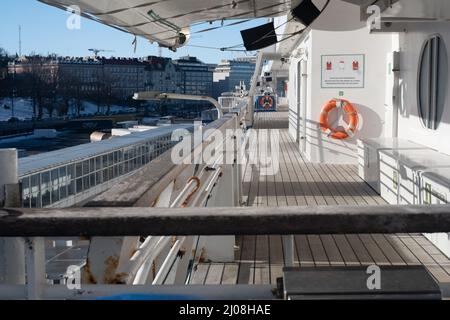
223	221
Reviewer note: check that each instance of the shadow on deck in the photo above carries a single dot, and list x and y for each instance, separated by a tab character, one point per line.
260	259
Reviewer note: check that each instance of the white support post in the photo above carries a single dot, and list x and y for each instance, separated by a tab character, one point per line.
237	172
288	246
221	248
35	266
12	250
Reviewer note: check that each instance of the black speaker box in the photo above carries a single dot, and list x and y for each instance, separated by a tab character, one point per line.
259	37
306	12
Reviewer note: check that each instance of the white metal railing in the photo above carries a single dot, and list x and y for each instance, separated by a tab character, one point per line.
158	259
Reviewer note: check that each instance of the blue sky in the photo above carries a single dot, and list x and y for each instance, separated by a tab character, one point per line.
44	31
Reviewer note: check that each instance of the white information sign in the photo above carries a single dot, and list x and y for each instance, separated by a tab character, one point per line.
343	71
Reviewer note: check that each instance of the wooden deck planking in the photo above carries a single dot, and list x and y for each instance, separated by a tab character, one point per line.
200	274
402	250
297	189
230	273
332	251
360	250
346	250
215	273
260	259
299	179
318	251
247	260
303	251
427	260
390	253
373	249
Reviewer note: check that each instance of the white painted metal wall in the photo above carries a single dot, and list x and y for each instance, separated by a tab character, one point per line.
410	125
369	101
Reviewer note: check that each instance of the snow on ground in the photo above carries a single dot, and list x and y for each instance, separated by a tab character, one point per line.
90	108
23	109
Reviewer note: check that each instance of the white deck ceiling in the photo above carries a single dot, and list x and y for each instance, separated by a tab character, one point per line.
162	20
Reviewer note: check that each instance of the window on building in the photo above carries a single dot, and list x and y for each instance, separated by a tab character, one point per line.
432	81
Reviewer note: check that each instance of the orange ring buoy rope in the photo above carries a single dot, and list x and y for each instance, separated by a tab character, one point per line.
349	110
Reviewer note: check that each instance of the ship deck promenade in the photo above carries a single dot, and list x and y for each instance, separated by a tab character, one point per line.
260	259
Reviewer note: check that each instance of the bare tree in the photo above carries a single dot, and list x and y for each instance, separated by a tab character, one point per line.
104	84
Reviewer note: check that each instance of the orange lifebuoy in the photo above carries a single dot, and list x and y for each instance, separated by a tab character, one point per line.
266	102
349	110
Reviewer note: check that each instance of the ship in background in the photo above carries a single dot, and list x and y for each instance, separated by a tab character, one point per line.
349	102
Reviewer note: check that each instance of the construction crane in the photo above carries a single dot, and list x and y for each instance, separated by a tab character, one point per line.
97	51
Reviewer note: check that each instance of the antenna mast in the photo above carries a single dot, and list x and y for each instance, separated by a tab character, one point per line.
20	40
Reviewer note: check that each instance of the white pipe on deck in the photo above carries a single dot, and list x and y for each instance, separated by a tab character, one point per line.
168	262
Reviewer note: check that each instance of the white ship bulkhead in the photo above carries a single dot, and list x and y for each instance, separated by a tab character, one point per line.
386	95
368	94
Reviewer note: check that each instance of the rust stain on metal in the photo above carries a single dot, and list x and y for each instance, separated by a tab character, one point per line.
87	273
110	276
191	194
155	202
120	278
202	258
154	269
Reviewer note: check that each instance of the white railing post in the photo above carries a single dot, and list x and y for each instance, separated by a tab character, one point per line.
12	250
288	246
35	267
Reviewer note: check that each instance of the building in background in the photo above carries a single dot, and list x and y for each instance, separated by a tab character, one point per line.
162	75
229	74
109	80
117	77
196	78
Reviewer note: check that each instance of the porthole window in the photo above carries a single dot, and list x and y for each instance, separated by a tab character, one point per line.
432	81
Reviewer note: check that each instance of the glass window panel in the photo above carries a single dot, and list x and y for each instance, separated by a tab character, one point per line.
99	177
98	164
92	181
92	164
63	175
45	180
85	167
63	190
46	200
86	184
26	203
105	175
25	186
79	185
35	201
54	175
55	194
79	169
